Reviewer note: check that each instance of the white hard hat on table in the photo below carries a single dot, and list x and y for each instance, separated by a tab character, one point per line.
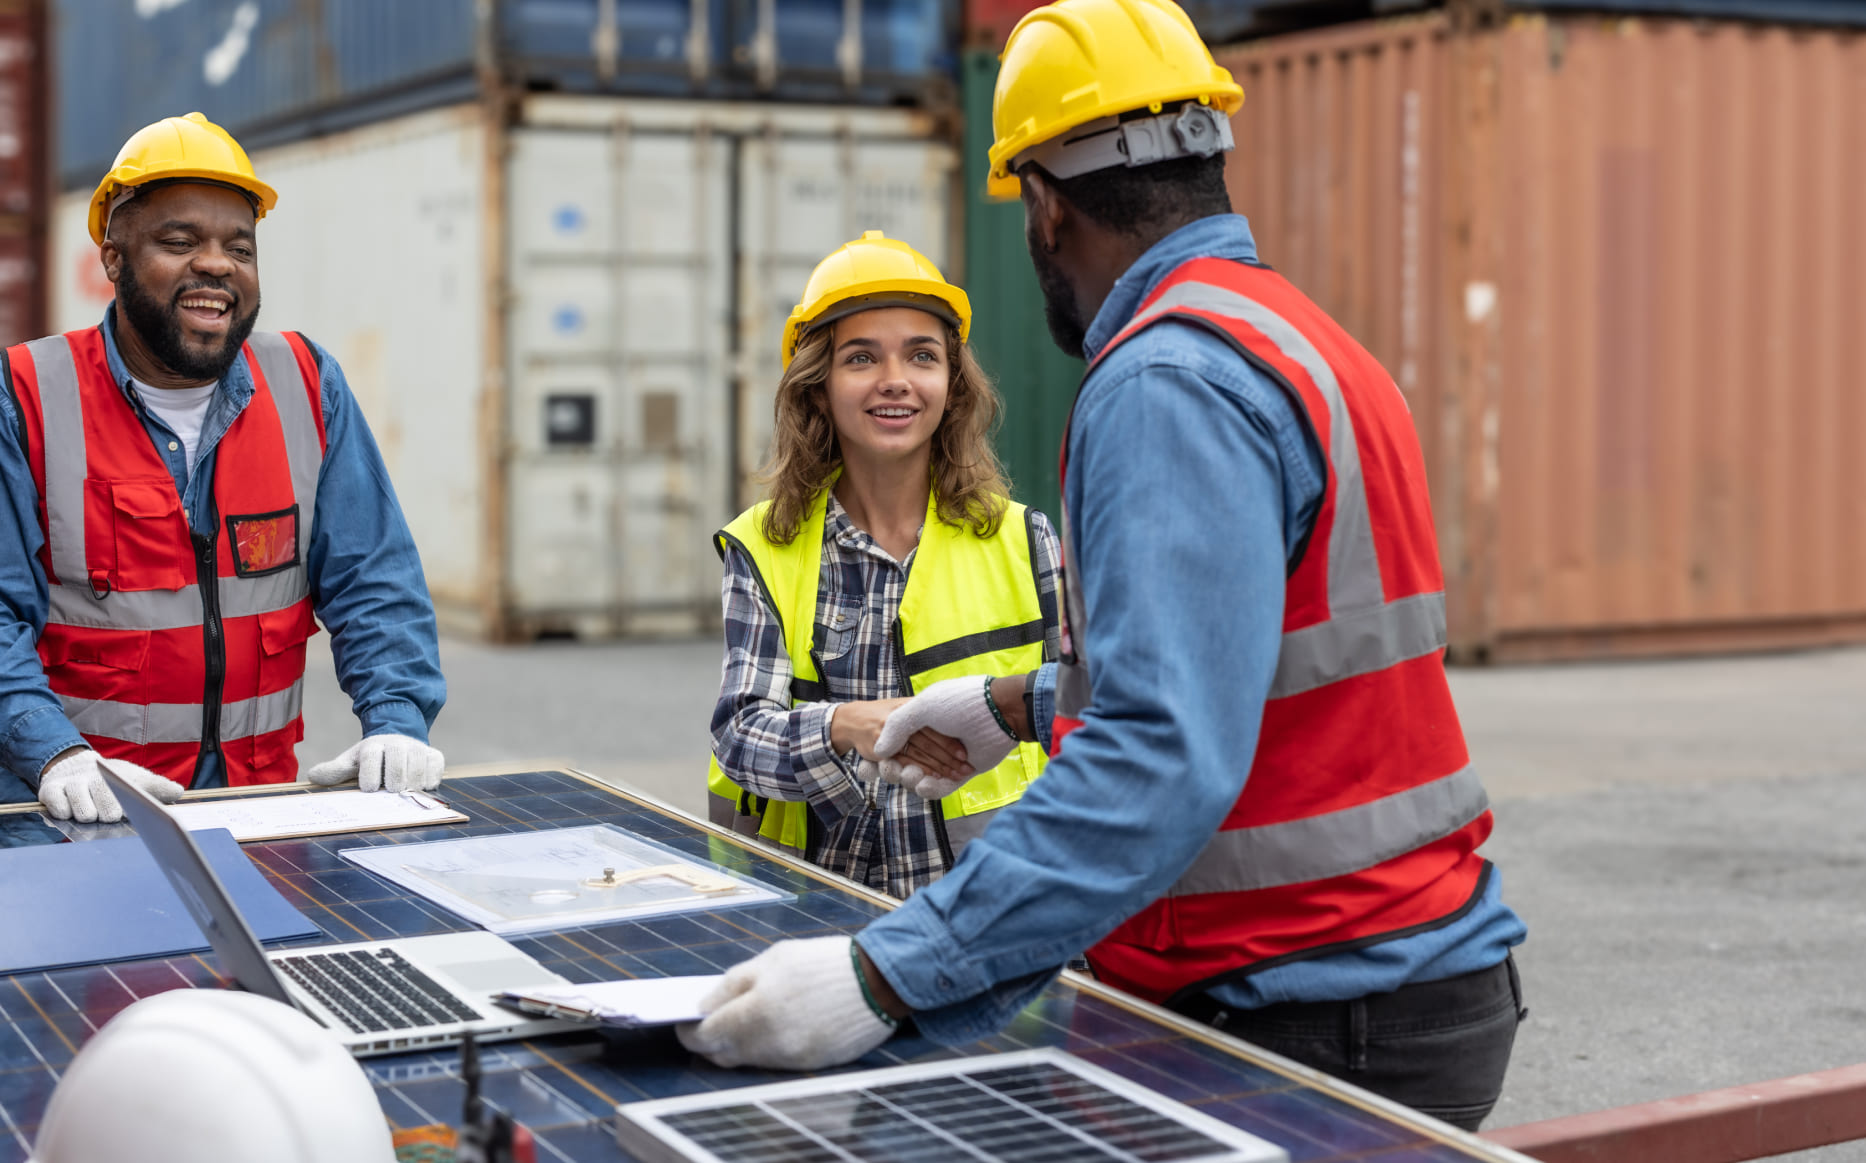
213	1076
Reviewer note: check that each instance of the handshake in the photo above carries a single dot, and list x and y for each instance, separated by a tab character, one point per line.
934	742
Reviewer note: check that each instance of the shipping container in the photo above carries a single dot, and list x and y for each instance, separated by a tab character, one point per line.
275	71
25	184
1613	265
564	330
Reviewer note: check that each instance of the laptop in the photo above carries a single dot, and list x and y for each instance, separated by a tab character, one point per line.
377	997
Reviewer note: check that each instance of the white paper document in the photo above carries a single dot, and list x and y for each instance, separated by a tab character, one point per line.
275	817
560	878
645	1001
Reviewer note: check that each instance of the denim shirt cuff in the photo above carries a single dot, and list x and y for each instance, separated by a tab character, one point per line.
394	717
1043	701
981	1017
922	959
34	739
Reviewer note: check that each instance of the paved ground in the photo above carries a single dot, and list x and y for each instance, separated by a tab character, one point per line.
1687	840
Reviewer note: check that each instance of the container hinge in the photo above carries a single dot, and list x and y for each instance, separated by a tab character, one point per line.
699	41
765	46
606	40
849	48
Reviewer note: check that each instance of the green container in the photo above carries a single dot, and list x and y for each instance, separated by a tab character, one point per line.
1038	382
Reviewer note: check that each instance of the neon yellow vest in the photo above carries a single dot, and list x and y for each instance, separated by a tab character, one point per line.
970	607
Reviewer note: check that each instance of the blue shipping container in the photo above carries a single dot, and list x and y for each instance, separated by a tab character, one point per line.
276	70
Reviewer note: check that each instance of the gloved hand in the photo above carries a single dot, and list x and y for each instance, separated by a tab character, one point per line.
74	789
917	781
955	707
796	1006
383	762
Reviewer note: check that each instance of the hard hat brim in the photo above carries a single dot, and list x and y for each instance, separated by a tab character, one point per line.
265	196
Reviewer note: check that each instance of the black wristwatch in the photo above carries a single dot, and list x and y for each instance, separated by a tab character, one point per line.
1030	706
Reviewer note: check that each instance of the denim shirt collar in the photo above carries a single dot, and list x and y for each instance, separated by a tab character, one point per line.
1220	236
231	394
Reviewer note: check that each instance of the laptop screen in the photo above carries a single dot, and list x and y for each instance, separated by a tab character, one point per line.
200	890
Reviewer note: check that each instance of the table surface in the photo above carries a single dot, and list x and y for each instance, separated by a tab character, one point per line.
565	1087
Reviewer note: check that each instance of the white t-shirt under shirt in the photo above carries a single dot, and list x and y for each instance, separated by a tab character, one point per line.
182	409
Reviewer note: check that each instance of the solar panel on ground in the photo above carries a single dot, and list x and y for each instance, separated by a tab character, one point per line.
1035	1106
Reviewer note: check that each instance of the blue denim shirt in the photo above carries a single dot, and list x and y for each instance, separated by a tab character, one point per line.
1191	486
367	588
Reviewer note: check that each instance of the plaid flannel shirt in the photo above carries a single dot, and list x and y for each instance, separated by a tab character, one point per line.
876	833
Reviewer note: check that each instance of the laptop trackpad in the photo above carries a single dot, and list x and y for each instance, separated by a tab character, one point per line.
495	975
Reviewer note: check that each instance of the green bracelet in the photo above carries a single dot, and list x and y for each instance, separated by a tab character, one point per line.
999	715
868	995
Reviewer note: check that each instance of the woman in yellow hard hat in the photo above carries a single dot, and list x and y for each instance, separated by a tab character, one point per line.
887	558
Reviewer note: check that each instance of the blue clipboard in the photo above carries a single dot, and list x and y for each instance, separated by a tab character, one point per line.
105	900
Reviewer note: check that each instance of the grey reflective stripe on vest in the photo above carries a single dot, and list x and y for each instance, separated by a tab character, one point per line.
969	645
279	364
240	597
181	722
1359	642
1335	843
63	422
1365	633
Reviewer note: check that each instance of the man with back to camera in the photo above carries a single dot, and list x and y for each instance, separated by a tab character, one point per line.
1261	812
183	494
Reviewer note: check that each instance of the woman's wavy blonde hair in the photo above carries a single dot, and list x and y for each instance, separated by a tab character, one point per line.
968	480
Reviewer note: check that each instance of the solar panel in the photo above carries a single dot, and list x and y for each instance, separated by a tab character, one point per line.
1032	1106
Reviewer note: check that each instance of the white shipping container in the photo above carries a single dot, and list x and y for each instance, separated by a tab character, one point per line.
568	356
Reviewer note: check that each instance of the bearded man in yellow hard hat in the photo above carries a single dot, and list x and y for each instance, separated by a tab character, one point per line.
186	499
1260	811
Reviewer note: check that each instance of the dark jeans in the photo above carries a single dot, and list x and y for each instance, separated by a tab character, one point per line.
1440	1047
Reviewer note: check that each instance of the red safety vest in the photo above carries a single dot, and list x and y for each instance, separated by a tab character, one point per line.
1361	817
152	666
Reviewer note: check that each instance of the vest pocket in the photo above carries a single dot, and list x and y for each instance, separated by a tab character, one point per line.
144	542
96	664
282	638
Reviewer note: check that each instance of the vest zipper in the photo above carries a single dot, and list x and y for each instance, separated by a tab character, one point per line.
907	688
213	649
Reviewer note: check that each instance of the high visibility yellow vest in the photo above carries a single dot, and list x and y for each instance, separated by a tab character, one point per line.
970	607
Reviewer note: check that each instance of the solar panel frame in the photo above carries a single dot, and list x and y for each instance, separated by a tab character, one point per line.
828	1119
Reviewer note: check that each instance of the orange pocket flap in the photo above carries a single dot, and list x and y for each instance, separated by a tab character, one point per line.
145	499
280	630
117	649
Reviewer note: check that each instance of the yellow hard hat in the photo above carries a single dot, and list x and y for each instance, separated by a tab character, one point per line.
874	271
178	147
1075	62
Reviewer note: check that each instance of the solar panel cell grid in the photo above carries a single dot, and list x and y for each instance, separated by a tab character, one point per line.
566	1088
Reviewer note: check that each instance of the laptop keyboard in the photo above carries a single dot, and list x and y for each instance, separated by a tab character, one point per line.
374	989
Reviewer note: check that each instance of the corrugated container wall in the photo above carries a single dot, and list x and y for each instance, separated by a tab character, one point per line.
275	71
564	331
24	183
1009	336
1613	265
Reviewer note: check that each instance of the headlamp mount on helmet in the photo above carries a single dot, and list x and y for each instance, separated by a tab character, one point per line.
1193	129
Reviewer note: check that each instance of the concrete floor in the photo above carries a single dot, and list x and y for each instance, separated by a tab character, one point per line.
1686	840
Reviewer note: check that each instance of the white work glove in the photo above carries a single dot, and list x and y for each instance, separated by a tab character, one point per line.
383	762
74	788
915	779
796	1006
955	707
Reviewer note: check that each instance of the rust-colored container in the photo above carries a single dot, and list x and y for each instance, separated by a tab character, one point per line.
23	177
1618	269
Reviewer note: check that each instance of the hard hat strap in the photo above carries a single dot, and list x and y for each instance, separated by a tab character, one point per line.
1193	130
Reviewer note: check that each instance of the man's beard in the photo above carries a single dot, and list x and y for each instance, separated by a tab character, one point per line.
159	325
1068	330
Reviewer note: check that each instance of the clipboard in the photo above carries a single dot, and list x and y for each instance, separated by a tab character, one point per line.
297	815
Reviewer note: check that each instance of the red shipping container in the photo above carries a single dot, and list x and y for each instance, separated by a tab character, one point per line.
989	22
23	176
